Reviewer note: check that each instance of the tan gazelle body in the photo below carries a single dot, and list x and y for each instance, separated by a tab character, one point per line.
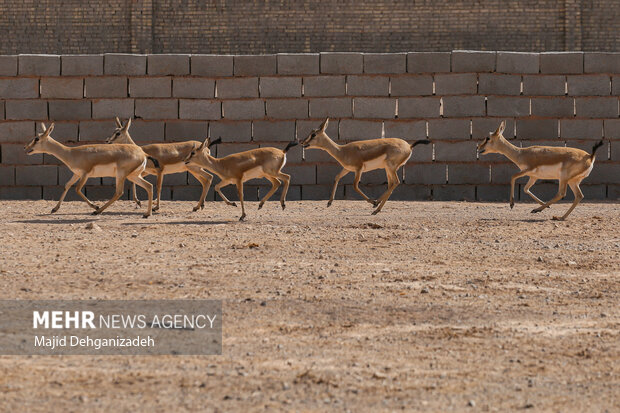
569	166
93	161
362	156
243	166
171	158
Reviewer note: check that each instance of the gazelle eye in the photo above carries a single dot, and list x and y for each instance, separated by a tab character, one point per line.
36	139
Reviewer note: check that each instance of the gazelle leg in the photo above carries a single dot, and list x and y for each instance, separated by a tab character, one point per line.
68	186
78	189
574	186
340	175
356	183
275	184
561	194
148	187
135	196
529	184
205	180
287	180
160	181
120	187
512	185
218	189
393	182
240	192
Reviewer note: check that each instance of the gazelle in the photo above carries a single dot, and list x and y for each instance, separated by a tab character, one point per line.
362	156
93	161
568	165
171	157
243	166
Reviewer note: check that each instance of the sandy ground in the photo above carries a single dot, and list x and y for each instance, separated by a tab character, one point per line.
428	306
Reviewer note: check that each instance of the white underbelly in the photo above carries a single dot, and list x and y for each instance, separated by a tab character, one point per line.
100	171
175	168
256	172
377	163
548	171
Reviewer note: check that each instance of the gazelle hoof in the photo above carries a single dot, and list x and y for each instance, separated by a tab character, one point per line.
329	203
97	211
138	204
54	210
512	205
535	210
242	217
146	215
196	208
375	212
558	218
260	205
155	208
374	203
233	204
283	206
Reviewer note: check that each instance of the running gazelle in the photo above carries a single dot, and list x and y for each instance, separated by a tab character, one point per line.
568	165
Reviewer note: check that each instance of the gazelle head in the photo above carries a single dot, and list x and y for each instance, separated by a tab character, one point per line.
316	138
40	142
493	142
201	153
121	133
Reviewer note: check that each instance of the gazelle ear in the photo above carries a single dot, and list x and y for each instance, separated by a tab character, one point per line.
324	125
43	128
50	129
205	144
127	125
501	128
118	122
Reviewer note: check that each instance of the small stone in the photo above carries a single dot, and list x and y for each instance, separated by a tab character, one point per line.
93	226
471	403
263	304
424	290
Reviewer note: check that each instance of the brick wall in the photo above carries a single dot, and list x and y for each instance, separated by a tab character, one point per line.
252	101
292	26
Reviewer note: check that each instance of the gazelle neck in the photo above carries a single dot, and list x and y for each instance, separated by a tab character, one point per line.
509	150
59	150
331	147
128	138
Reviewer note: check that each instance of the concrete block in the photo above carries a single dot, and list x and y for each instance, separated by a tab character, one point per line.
200	109
269	131
494	84
456	84
589	85
581	129
502	173
544	85
428	62
404	129
38	65
385	63
411	193
212	65
237	88
105	87
473	61
492	193
611	128
280	86
8	65
104	193
36	175
353	129
411	85
168	64
124	64
326	174
342	63
518	62
225	149
302	174
81	65
469	174
26	109
426	173
298	64
2	110
179	131
293	194
602	173
613	192
111	108
69	109
537	128
561	62
188	193
508	106
320	192
448	129
96	131
243	109
150	87
157	108
615	151
62	87
231	131
331	107
18	132
368	85
287	108
373	191
422	107
305	127
615	85
454	192
20	192
7	175
255	65
596	62
147	131
462	106
597	107
455	151
14	154
481	127
324	86
23	88
374	108
188	87
553	106
64	132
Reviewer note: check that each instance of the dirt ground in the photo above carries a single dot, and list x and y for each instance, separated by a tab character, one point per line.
428	306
